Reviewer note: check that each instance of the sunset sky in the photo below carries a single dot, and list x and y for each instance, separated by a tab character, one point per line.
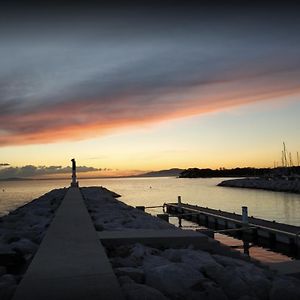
137	87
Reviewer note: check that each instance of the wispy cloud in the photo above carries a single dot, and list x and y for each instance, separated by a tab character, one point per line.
111	75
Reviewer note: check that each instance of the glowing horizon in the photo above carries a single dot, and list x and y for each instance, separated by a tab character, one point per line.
172	144
149	88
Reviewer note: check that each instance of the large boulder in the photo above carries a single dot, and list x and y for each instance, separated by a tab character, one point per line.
256	279
283	288
173	278
233	286
229	261
195	258
206	290
153	261
24	246
135	274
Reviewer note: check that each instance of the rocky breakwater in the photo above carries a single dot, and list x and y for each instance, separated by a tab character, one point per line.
108	213
21	232
277	185
146	272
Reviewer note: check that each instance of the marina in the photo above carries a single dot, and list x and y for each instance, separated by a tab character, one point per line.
278	236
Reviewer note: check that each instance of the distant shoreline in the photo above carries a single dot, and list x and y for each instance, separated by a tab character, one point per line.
174	172
83	178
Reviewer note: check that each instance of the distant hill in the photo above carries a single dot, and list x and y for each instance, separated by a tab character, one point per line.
162	173
239	172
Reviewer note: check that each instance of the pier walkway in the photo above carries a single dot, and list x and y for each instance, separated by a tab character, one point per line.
71	262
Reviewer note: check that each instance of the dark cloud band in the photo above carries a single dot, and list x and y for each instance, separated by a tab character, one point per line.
32	171
78	75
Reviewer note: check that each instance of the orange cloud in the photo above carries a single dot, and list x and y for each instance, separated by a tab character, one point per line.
86	119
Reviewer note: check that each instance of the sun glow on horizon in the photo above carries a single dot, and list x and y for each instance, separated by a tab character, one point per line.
229	138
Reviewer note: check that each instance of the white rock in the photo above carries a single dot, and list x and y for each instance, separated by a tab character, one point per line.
206	290
173	279
196	258
8	279
153	261
135	274
132	257
125	280
284	289
24	246
233	286
140	251
229	261
115	215
255	278
125	262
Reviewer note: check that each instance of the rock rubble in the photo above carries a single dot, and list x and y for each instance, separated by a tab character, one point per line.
150	273
21	232
110	214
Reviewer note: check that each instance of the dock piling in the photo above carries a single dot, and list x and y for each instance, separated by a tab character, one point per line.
245	215
142	208
179	200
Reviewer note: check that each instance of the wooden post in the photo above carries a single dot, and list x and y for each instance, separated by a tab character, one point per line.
245	215
179	200
142	208
179	222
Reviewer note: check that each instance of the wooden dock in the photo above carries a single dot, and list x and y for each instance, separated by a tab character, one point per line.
257	229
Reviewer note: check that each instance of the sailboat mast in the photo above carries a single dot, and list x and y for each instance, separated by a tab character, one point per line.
285	155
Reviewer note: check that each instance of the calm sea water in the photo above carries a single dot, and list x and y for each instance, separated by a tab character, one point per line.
282	207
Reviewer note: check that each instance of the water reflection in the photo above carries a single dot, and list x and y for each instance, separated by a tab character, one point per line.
282	207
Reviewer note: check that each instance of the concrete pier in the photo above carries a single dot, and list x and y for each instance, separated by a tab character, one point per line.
71	262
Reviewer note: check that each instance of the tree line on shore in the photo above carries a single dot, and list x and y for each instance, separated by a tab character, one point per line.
238	172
